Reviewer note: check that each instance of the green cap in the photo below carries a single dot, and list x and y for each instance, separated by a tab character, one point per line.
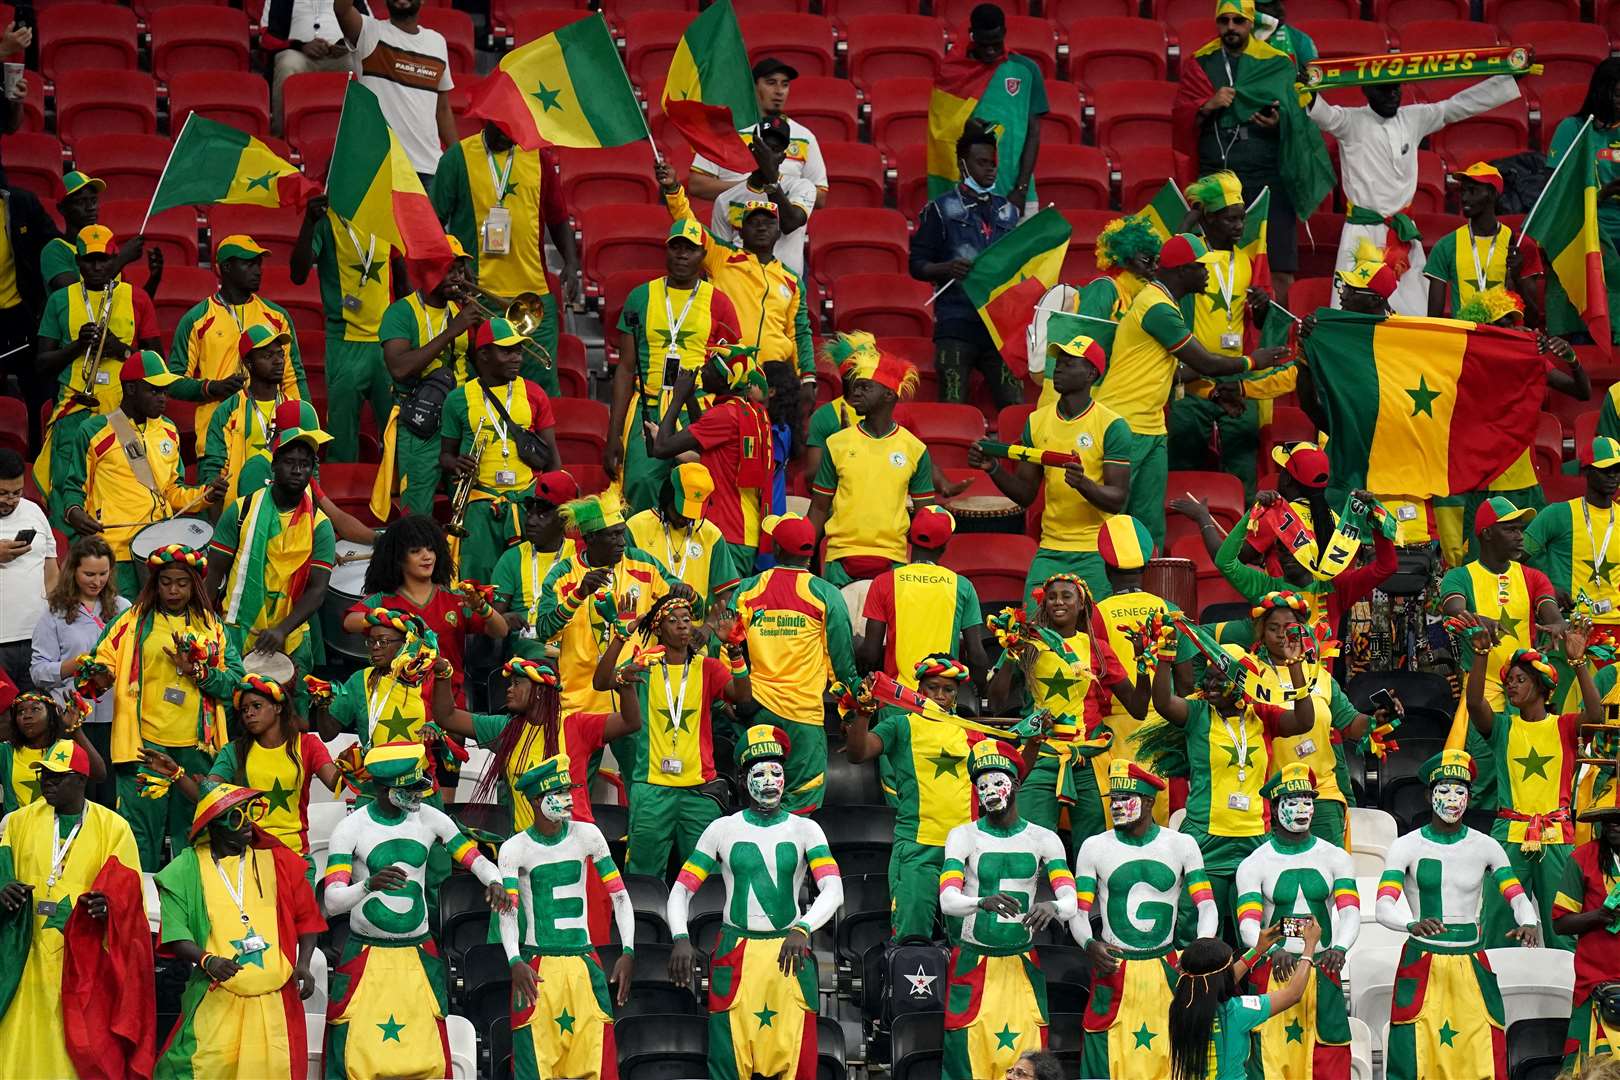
550	777
76	181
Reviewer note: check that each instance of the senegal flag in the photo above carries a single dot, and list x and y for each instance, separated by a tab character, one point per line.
1564	222
709	94
1011	275
1423	407
565	89
1166	211
1253	241
378	190
213	163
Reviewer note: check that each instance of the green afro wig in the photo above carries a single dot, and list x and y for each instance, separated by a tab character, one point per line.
847	351
1123	239
1489	306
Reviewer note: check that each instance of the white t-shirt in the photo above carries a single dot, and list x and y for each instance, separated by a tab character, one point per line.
407	72
728	214
803	159
22	580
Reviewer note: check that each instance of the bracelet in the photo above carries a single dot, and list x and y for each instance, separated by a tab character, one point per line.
1580	663
992	468
1248	363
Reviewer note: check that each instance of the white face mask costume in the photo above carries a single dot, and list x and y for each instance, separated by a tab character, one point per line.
556	807
1295	812
1449	799
766	781
995	790
407	799
1125	809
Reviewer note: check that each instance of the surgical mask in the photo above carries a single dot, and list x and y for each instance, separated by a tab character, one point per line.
1125	810
407	799
973	185
995	790
1449	801
1294	814
556	807
766	782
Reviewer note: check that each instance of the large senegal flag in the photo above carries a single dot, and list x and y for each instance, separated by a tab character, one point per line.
1564	222
212	163
1011	275
995	94
1166	211
567	88
1424	407
709	94
378	190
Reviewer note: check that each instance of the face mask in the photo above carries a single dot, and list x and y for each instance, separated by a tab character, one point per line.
556	807
406	799
1294	814
766	782
1449	801
973	185
1125	810
995	791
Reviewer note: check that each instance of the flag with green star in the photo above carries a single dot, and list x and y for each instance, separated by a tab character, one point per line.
213	163
1011	275
709	94
568	88
1425	407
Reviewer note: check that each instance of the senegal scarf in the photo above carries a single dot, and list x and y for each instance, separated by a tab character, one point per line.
245	592
1255	682
1281	523
126	636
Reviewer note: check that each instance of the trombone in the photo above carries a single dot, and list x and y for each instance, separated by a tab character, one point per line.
525	312
464	485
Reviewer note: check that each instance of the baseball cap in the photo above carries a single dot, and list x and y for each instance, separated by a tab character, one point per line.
932	527
257	337
693	484
96	240
556	487
770	65
148	367
1605	453
220	798
1085	348
1498	510
497	332
792	534
1304	463
1480	173
1181	249
77	181
774	126
238	246
455	247
64	756
689	230
296	422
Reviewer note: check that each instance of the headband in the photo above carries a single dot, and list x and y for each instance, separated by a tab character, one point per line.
1038	594
537	673
1536	662
171	554
1278	599
34	695
253	684
409	625
941	665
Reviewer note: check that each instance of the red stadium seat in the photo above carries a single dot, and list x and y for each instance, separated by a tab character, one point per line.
1548	450
198	37
956	12
1437	33
854	175
918	351
1143	173
1288	426
174	231
573	374
616	289
1080	263
1301	10
616	175
1568	50
900	112
623	237
114	102
33	117
312	350
457	29
1179	11
1607	15
618	12
275	228
592	479
243	103
1344	37
34	163
911	184
1511	18
81	39
311	103
883	304
526	24
1308	294
316	157
1073	177
893	47
1130	115
1431	189
503	14
145	9
581	431
1107	49
857	242
14	426
766	7
827	106
1319	244
1557	103
1061	123
1505	128
994	562
303	302
1010	422
650	40
947	429
804	41
1222	491
183	286
1036	39
1399	14
841	11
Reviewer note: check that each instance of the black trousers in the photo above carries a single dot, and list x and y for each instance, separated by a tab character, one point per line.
18	326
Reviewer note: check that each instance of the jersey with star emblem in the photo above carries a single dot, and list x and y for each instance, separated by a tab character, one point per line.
1535	771
1228	759
283	775
1511	598
926	762
379	710
1099	436
676	702
411	320
1565	541
658	317
464	190
1219	314
19	783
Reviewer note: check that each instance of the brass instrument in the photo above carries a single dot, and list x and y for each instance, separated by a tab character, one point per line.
92	356
525	312
464	485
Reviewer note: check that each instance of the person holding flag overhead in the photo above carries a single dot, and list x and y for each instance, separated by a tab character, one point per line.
244	425
693	548
1575	543
562	1015
235	905
995	1003
407	67
81	987
389	993
80	207
922	608
763	956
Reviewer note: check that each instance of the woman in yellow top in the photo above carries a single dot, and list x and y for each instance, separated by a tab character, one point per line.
1065	665
36	725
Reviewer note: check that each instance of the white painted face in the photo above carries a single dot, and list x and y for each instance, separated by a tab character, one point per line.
1125	809
766	781
407	799
1449	799
995	790
555	807
1294	813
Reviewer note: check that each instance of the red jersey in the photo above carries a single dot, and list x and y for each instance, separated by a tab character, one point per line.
1585	887
735	437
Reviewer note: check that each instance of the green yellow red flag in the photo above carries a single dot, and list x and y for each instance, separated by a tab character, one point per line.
1423	407
1253	241
567	88
1166	211
213	163
1564	222
711	65
957	89
1011	275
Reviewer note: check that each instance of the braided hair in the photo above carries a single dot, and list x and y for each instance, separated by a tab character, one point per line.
646	627
243	741
542	719
1204	985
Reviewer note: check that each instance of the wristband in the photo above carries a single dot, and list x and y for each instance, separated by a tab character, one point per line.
678	937
1248	363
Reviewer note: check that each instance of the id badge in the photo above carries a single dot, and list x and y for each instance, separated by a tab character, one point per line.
253	943
45	908
1237	801
351	302
1231	341
1406	512
671	766
174	695
497	231
1306	748
103	378
1602	607
505	476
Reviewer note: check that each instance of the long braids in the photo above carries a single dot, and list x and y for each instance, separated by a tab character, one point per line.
1204	984
542	719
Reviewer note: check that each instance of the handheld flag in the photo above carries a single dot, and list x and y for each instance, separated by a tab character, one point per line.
1253	241
213	163
1010	276
1167	211
1564	222
567	88
709	94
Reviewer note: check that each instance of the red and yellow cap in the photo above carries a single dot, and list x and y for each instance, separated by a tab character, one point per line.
96	240
932	527
1083	347
1497	511
792	534
258	336
64	756
1480	173
689	230
1449	765
760	742
1304	462
220	798
148	367
497	332
994	755
556	487
1180	250
1124	543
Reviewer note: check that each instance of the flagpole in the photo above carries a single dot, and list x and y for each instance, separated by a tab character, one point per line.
1531	216
167	162
658	159
1280	308
929	302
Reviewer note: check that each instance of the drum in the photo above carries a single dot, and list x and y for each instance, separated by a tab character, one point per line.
986	513
346	588
1175	580
190	531
274	666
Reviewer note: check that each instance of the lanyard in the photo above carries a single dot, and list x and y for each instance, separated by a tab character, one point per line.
676	705
496	422
1225	147
59	852
265	428
499	178
674	324
219	298
444	324
366	259
1600	555
241	882
374	705
1240	739
1481	269
676	568
84	298
1226	282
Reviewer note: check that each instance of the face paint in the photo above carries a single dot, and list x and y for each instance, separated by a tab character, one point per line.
1449	801
1125	809
556	807
1295	812
995	790
766	782
407	799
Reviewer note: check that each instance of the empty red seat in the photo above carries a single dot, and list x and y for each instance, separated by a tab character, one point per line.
1080	262
1345	37
827	106
573	374
174	231
841	11
273	227
1301	10
857	242
1073	177
948	429
145	9
650	39
581	431
33	117
1511	18
1062	121
854	175
609	175
311	103
81	39
1557	103
1143	173
804	41
1066	12
1568	50
623	237
1179	11
1107	49
1319	244
303	302
503	14
34	163
113	102
995	563
883	304
183	286
226	96
618	12
1309	293
457	29
894	46
198	37
956	12
1398	14
1436	33
766	7
900	111
616	288
527	24
911	184
1036	39
1133	114
1431	189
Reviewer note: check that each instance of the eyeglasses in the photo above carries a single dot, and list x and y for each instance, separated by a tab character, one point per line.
238	816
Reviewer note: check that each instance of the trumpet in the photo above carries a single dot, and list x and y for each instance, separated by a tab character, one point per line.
525	312
92	356
464	486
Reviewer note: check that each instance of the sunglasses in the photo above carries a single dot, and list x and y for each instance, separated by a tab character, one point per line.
238	816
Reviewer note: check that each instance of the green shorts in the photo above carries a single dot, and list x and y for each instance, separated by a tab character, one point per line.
1048	561
1150	472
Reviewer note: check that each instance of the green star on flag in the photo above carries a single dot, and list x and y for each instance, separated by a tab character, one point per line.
686	718
944	763
391	1030
1448	1034
1144	1037
1295	1031
280	796
260	181
396	725
1507	624
256	957
1535	763
368	274
1006	1038
565	1022
1423	398
57	920
547	97
765	1016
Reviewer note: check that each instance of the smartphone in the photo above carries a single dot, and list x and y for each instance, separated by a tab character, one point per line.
25	537
1384	699
1293	927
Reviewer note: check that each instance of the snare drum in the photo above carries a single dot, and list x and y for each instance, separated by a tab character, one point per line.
986	513
189	531
1175	580
273	666
346	587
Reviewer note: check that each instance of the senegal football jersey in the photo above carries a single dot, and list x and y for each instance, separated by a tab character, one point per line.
927	761
1142	365
1100	436
1577	545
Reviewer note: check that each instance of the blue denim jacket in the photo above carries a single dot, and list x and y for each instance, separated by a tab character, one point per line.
955	226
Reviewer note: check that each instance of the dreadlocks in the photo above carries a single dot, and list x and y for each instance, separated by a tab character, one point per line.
540	720
646	627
